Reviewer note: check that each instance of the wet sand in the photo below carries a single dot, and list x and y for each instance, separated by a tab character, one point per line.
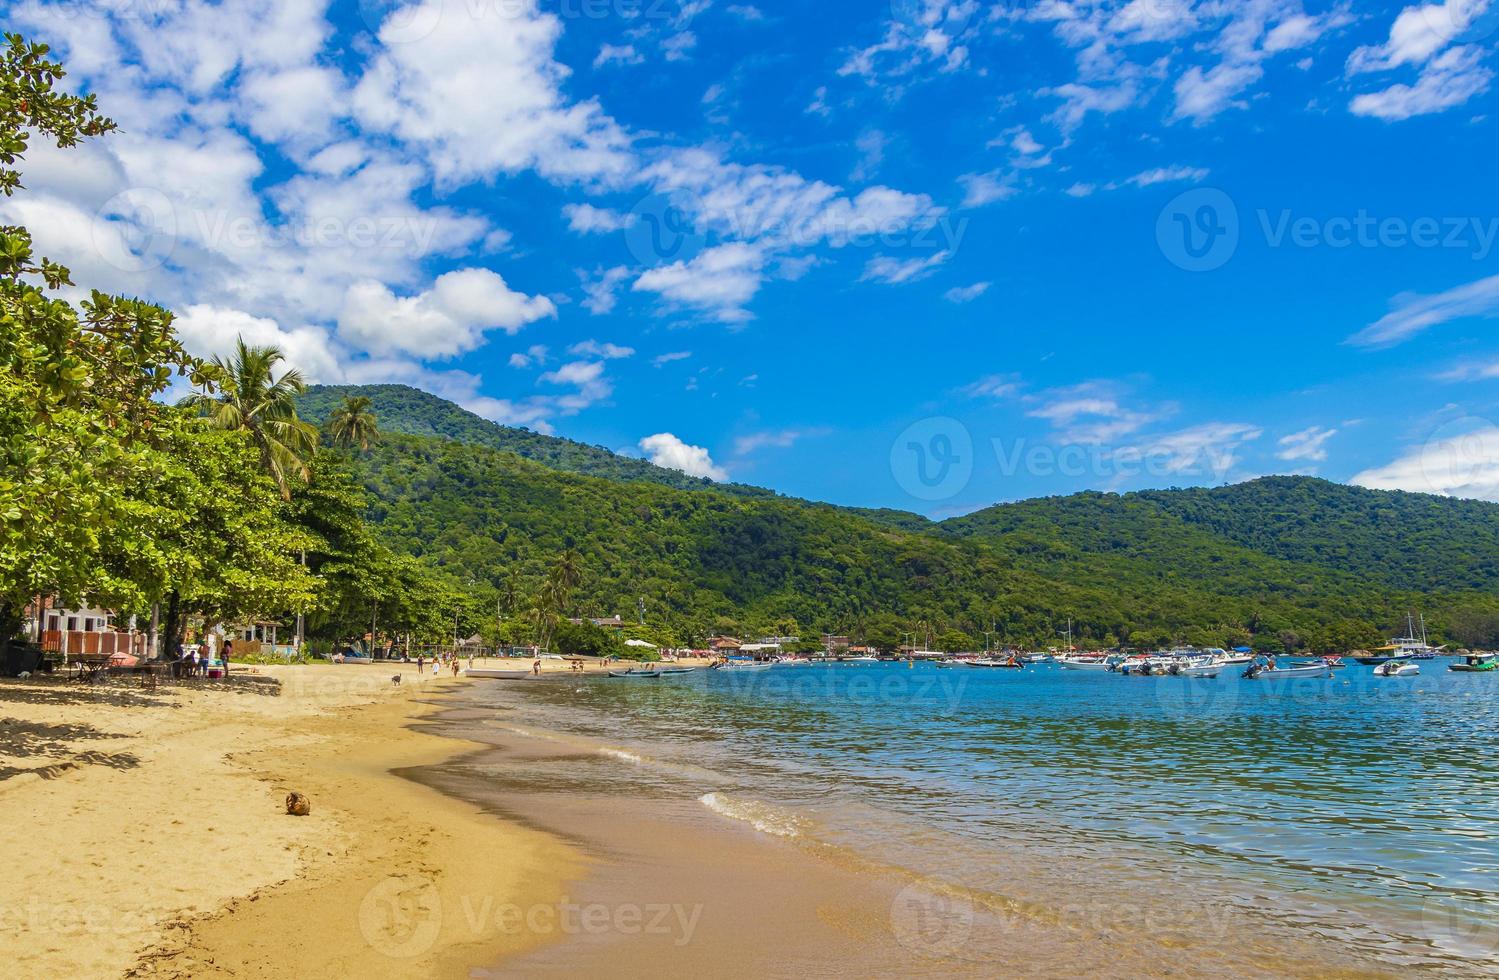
676	887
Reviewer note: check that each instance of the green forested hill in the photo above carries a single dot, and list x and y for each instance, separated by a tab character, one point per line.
411	411
704	562
1408	540
1275	560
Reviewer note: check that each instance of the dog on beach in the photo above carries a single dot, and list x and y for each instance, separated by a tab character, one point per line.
395	680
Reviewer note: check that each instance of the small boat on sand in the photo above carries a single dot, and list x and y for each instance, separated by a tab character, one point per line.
1477	663
1397	668
639	674
500	675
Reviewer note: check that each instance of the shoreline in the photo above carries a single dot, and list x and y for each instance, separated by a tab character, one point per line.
161	846
743	894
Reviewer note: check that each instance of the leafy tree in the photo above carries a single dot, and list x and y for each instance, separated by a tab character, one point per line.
251	396
78	411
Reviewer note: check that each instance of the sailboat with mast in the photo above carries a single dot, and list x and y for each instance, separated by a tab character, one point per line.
1407	647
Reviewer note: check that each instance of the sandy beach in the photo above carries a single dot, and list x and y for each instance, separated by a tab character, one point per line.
150	836
443	841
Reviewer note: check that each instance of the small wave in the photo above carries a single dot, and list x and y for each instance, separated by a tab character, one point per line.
762	816
622	754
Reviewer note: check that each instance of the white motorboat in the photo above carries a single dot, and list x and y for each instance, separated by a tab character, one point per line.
500	675
863	659
991	662
1084	663
1263	672
1207	668
743	665
1397	668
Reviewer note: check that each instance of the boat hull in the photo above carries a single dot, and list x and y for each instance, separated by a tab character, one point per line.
498	675
1268	675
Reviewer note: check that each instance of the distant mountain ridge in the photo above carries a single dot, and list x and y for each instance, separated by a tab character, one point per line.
411	411
1268	556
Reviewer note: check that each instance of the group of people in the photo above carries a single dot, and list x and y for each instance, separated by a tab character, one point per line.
197	658
451	659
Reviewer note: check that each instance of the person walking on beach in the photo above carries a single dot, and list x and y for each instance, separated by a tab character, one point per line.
228	649
421	664
536	667
436	664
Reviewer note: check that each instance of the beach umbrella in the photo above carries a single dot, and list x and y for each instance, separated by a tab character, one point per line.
640	643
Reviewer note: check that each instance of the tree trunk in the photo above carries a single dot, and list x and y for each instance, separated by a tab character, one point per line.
175	626
12	614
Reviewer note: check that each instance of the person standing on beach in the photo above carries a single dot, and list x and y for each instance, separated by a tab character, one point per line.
436	665
536	667
421	664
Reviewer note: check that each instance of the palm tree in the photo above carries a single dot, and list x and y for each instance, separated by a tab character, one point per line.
253	399
565	576
353	424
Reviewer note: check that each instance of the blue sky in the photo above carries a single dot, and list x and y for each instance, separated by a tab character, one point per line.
916	254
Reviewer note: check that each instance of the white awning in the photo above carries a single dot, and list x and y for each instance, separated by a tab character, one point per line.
640	643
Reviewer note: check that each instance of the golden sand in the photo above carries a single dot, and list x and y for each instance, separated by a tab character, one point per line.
147	834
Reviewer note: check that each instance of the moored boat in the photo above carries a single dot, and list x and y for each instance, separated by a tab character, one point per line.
1476	663
494	674
1397	668
638	674
1268	672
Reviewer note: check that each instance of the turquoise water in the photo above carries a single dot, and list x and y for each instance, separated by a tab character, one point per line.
1359	809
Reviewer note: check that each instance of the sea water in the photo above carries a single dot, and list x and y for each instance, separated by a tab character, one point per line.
1356	809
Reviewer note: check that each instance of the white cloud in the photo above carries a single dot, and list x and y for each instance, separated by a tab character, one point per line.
479	93
1412	313
589	220
600	289
1418	32
719	281
609	352
892	271
966	294
1457	464
617	54
982	189
1308	444
669	356
773	439
1208	449
1448	80
665	449
1420	36
535	354
999	386
448	319
1471	372
1091	413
